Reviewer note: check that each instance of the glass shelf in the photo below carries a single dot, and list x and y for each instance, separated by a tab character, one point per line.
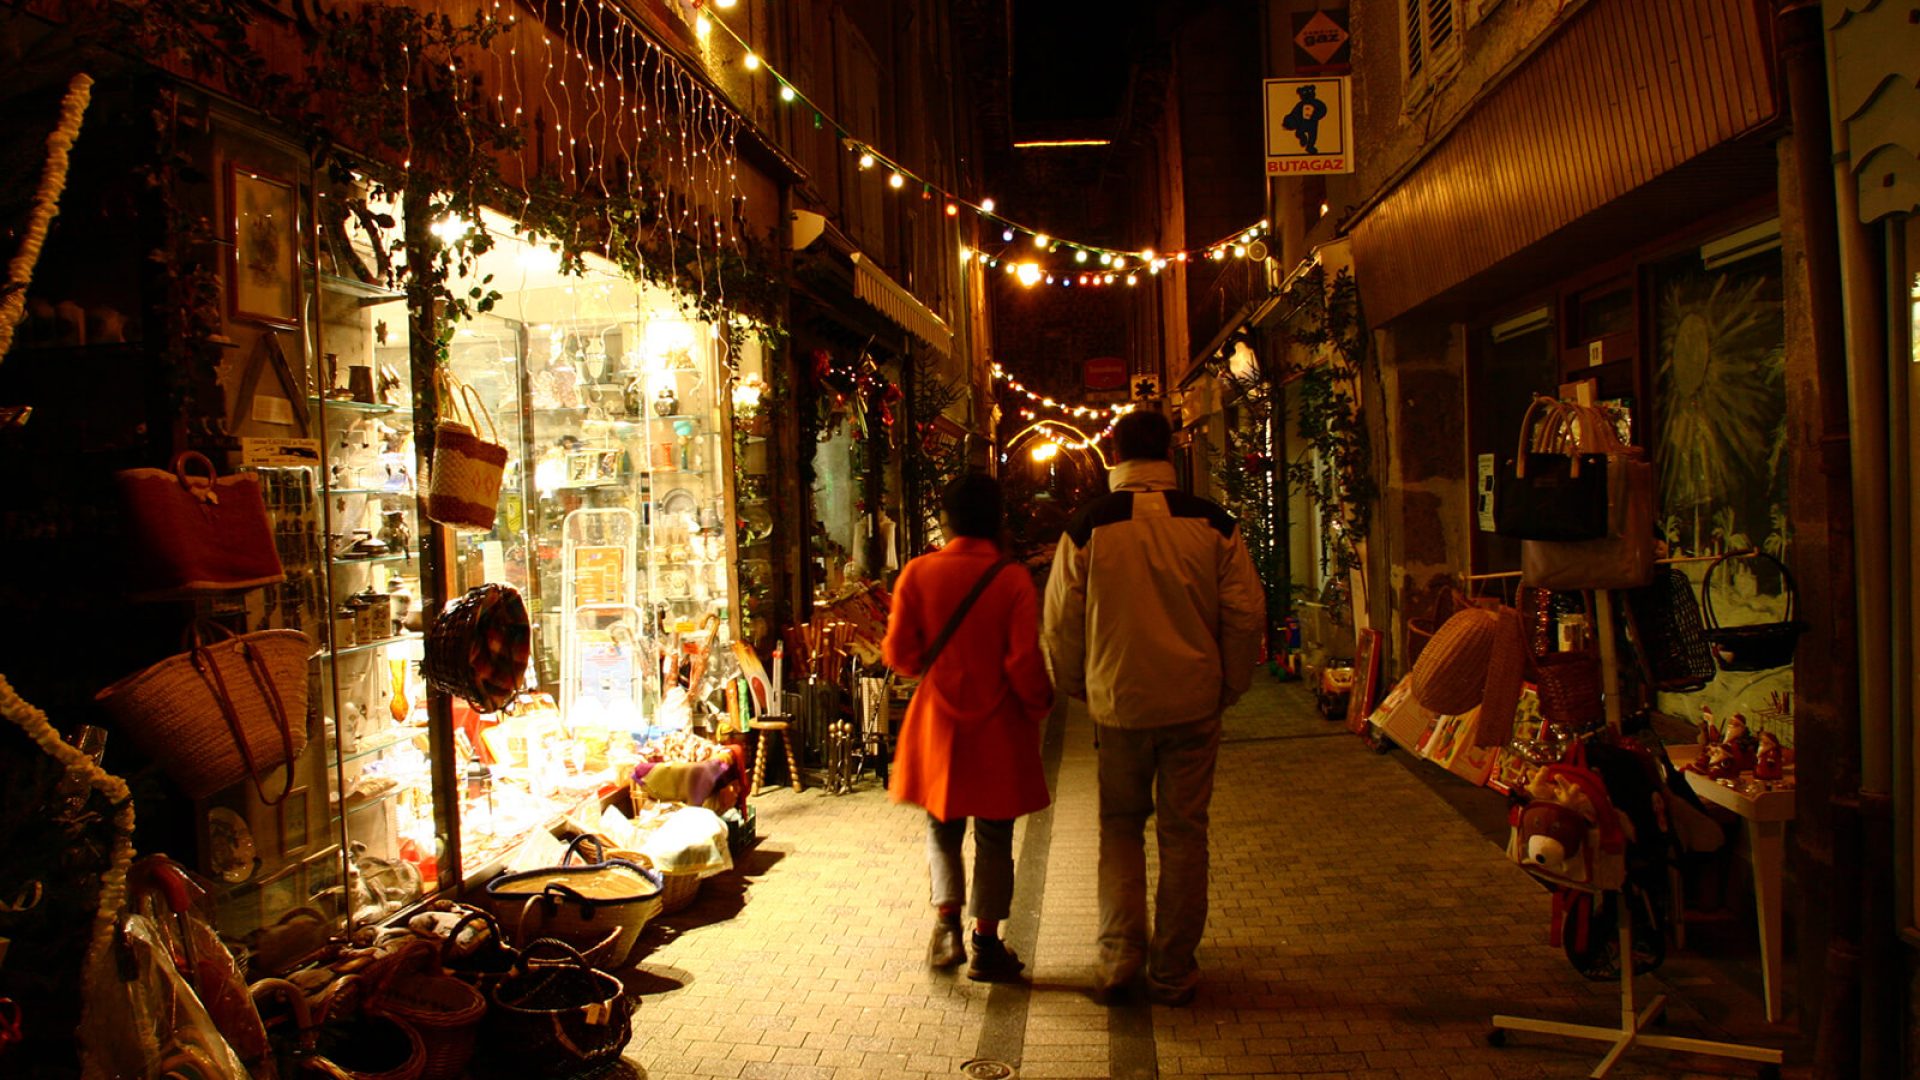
370	491
348	405
385	745
368	804
347	560
381	644
368	294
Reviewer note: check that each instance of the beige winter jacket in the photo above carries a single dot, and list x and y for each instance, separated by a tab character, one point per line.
1154	614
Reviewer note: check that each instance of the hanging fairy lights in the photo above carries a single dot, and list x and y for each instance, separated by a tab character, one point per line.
1085	412
1011	231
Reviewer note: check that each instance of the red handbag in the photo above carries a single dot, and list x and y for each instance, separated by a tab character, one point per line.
195	531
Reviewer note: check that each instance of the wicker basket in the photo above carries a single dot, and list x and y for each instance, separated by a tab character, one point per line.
1568	685
581	905
1665	620
224	711
557	1018
477	648
1761	646
678	891
371	1046
444	1010
490	958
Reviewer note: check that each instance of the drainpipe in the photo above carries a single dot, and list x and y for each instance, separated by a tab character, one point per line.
1803	58
1867	384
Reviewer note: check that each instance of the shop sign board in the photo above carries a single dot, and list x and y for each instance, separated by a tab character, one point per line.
1321	43
1146	387
1309	125
279	453
1104	373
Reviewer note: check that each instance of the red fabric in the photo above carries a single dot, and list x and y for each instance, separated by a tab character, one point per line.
970	744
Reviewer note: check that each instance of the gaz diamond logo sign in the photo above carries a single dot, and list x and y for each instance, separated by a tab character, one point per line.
1320	40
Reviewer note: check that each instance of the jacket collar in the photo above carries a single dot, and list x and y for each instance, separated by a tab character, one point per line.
971	545
1142	475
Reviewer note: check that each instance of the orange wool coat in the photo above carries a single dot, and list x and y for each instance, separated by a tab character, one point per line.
970	745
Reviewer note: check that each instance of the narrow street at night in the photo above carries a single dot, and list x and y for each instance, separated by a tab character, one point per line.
1360	928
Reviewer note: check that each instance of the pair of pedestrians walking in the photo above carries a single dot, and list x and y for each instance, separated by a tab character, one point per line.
1153	617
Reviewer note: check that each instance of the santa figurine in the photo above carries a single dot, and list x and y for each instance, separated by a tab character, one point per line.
1721	764
1707	739
1740	743
1767	766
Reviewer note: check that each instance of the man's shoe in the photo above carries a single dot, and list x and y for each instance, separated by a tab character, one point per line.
1171	998
945	949
993	961
1116	994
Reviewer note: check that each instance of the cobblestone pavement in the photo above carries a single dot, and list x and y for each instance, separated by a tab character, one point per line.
1359	928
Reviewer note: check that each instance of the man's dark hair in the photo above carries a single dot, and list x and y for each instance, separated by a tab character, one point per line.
974	506
1143	435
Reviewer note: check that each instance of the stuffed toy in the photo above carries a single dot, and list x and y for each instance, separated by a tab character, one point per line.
1553	834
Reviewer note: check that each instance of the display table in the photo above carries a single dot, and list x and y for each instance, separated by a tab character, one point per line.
1766	815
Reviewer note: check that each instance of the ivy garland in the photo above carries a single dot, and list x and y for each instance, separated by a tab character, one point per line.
1336	469
395	106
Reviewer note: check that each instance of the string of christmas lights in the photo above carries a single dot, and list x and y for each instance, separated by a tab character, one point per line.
1083	411
1115	263
1053	430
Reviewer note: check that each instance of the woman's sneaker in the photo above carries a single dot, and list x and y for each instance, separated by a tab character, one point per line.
993	961
945	949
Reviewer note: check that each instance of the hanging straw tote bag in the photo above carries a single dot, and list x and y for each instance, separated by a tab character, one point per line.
463	489
226	710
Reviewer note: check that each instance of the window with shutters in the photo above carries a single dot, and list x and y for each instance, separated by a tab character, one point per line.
1431	35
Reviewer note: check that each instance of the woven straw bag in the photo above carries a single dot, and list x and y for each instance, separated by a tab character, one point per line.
444	1010
554	1019
1476	659
226	710
463	489
580	905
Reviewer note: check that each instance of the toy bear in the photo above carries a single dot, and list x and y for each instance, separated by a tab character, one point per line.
1553	834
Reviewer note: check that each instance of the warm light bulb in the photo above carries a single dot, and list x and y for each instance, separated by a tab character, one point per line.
1239	251
752	62
986	206
1323	209
1182	257
1039	240
966	254
1045	451
786	92
896	181
1147	255
1218	254
866	161
1007	235
1106	259
952	210
702	26
1133	279
1028	273
1080	256
724	5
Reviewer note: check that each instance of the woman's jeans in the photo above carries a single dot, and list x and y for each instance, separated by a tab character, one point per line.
992	896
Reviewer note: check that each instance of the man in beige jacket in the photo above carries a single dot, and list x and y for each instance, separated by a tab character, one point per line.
1154	617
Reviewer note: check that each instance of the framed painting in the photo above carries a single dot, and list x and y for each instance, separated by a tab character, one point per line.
1366	679
263	280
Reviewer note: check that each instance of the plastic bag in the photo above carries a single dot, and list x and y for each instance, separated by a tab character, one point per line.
145	1021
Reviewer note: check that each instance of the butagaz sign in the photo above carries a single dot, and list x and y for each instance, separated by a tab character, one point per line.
1309	126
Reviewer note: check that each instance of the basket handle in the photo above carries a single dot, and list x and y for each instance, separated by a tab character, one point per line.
447	944
568	953
1706	585
201	488
583	840
209	672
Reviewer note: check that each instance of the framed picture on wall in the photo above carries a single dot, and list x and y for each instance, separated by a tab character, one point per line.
1366	679
263	283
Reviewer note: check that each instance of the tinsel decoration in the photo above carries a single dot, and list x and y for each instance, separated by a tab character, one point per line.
46	203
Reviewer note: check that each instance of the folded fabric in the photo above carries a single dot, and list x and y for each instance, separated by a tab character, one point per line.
691	783
692	839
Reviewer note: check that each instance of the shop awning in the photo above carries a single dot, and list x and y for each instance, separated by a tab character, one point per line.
872	285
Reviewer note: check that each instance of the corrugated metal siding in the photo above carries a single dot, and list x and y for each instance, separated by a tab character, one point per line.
1626	92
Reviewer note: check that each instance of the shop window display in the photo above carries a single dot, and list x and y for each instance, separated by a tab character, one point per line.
614	523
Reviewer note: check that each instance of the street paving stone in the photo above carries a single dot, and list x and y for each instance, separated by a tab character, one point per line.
1359	928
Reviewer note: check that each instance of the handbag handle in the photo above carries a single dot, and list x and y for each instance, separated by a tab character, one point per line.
202	659
1526	429
486	919
198	487
1706	586
460	395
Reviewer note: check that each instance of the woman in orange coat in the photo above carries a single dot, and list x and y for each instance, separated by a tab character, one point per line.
970	745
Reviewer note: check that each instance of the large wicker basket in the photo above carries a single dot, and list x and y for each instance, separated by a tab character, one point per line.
477	648
557	1019
226	710
581	905
444	1010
